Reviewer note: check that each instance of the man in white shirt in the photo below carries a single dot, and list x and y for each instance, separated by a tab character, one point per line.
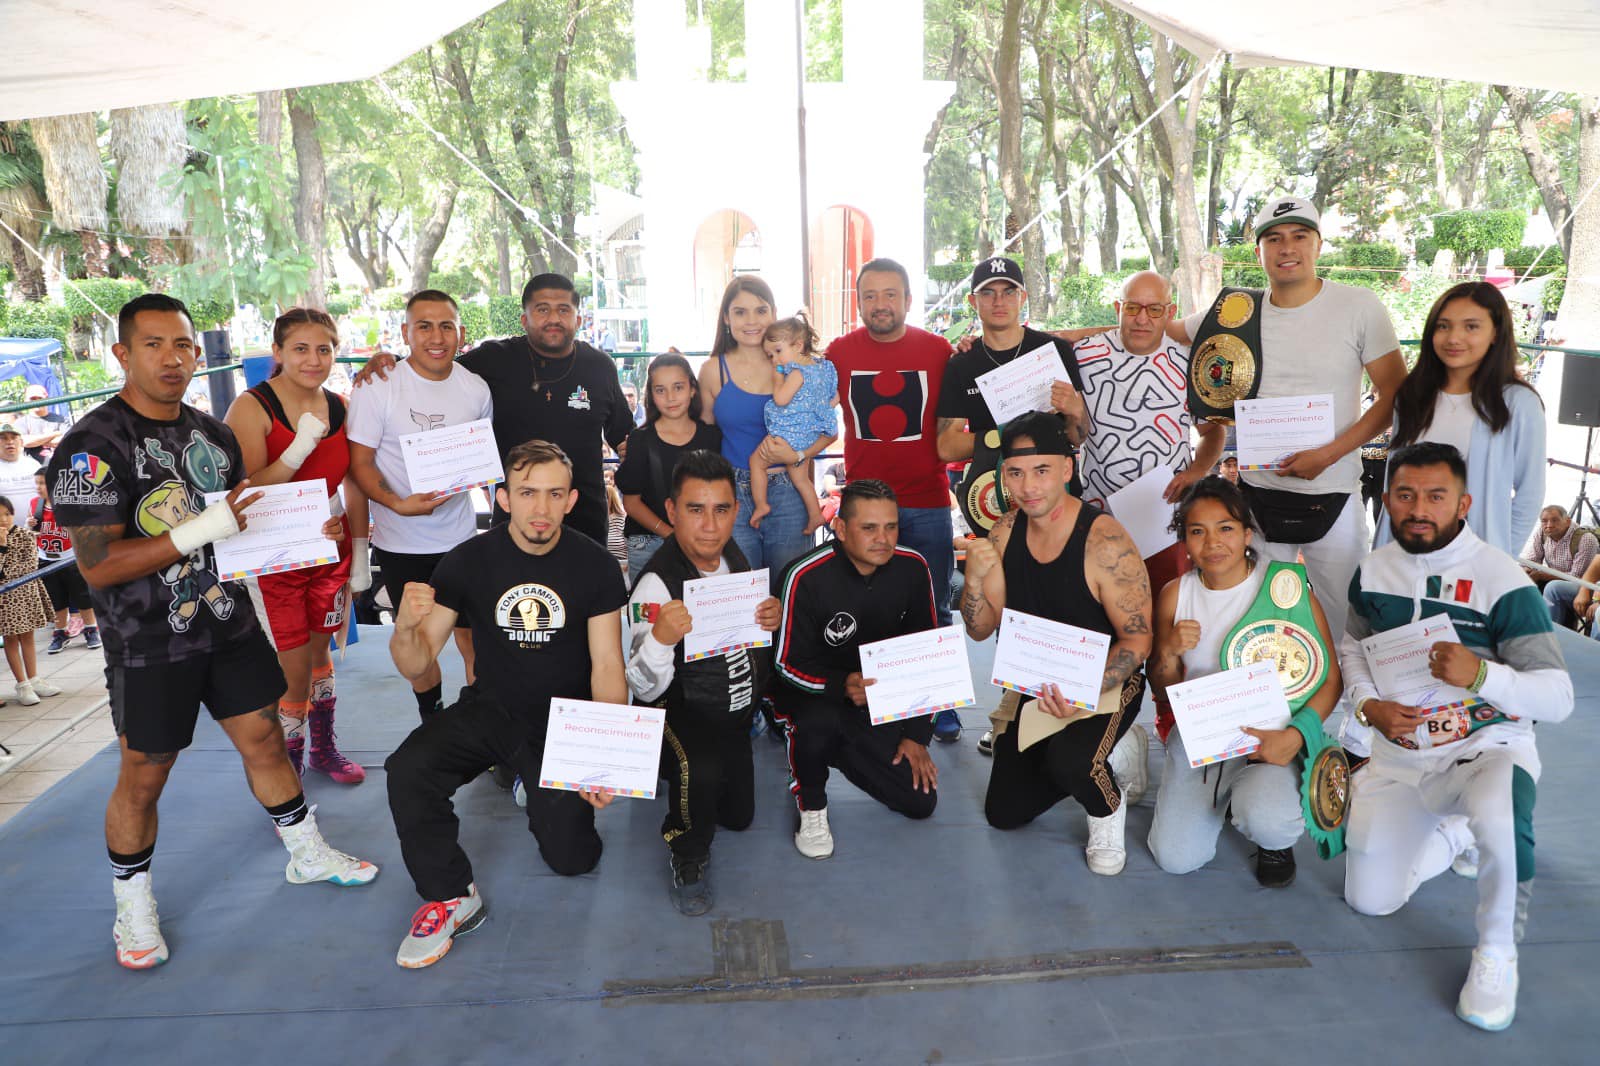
411	531
1318	337
16	473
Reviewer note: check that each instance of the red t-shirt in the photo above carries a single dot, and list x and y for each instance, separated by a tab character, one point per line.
889	393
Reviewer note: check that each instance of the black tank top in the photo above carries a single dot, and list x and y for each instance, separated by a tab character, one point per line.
1055	590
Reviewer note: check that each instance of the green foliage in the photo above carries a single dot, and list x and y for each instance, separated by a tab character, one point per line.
1136	263
109	293
5	314
1085	300
1541	260
390	299
339	306
1554	290
475	322
1410	300
1239	267
1376	263
1426	249
950	273
505	316
209	313
1475	232
87	375
461	282
40	320
824	40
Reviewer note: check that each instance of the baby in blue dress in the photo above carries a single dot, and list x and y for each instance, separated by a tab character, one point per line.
805	391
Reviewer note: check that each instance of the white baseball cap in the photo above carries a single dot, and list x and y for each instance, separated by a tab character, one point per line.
1287	209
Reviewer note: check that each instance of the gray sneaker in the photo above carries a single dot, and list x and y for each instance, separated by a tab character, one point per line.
436	925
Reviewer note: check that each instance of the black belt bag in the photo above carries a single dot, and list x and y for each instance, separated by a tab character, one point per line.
1294	517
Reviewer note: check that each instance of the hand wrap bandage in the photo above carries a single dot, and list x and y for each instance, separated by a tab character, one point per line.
360	565
215	523
308	433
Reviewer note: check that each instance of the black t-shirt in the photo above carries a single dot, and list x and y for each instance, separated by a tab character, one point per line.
646	470
959	396
116	467
529	614
572	402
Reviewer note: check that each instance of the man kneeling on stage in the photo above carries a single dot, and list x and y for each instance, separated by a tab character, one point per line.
705	757
1451	784
543	609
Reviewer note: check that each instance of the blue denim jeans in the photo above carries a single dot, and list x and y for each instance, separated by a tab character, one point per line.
641	546
781	538
930	532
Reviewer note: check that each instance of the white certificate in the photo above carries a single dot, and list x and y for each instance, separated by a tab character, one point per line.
917	674
1034	652
1212	711
1269	431
607	747
1144	513
1022	385
283	531
723	612
452	459
1398	659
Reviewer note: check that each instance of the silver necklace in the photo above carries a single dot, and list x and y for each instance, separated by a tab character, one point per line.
990	353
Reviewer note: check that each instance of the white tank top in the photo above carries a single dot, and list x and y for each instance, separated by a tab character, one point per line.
1217	611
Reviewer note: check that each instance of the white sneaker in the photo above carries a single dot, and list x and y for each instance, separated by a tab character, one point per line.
43	688
1489	998
1465	864
1130	764
815	839
138	929
26	695
312	859
436	925
1105	851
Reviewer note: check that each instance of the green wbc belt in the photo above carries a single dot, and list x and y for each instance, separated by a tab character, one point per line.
1280	627
982	499
1225	357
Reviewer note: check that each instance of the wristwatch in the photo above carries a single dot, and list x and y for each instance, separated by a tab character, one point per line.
1361	715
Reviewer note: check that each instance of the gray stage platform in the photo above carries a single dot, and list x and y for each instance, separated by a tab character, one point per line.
943	941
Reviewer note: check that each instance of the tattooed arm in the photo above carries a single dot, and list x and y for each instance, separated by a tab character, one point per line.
954	442
983	593
106	558
364	470
1117	575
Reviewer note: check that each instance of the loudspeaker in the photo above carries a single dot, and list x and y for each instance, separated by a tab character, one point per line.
1580	391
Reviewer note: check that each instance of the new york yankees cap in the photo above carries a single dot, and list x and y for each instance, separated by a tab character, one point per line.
996	268
1287	209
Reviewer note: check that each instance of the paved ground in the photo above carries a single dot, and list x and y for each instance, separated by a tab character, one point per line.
41	757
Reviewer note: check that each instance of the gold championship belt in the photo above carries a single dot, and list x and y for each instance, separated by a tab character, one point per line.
1225	356
980	494
1280	627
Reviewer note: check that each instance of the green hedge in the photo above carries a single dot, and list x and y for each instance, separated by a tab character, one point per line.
475	322
208	313
1550	262
1239	267
505	316
390	299
338	306
42	321
1474	232
110	293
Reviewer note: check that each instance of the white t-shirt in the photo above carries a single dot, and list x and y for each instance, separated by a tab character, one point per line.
17	485
1320	347
1138	412
1453	419
381	412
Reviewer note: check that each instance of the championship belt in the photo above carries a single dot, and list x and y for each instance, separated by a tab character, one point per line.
980	494
1225	355
1280	627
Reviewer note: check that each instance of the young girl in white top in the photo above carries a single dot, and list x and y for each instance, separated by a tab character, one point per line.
1194	614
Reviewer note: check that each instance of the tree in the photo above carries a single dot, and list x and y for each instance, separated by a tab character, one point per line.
311	195
23	208
147	144
75	181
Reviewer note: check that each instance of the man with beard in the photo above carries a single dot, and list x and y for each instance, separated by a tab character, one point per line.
549	385
543	609
1442	777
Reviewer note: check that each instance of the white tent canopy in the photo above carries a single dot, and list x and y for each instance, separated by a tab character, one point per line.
1546	44
66	56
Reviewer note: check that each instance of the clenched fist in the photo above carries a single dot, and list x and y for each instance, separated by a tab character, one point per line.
416	603
672	622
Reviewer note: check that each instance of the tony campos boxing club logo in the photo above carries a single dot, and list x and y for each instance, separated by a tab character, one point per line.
530	613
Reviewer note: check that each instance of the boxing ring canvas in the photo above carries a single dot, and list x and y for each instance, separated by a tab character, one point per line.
939	941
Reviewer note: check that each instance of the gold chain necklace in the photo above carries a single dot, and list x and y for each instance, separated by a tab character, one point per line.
534	357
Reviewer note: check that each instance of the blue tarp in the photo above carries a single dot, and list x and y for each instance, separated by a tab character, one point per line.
31	359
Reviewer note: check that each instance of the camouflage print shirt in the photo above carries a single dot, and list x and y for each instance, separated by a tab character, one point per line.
116	467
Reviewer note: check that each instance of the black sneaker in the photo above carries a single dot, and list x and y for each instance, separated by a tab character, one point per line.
91	636
1274	867
504	776
690	891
